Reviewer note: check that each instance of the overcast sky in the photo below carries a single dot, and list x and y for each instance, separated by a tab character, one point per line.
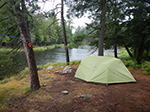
51	5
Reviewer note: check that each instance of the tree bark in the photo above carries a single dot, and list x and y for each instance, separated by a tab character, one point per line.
130	54
64	32
101	32
21	20
3	4
115	51
140	54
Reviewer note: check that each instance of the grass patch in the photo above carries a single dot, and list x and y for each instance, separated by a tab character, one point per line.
55	64
74	62
5	80
4	49
12	89
25	71
47	47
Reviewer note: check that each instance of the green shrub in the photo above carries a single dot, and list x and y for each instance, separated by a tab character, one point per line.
40	67
75	62
25	71
59	63
48	64
5	80
146	67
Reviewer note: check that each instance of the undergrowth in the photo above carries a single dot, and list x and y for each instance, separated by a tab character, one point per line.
132	63
12	89
47	47
19	86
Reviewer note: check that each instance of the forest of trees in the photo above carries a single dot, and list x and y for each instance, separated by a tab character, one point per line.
114	23
44	30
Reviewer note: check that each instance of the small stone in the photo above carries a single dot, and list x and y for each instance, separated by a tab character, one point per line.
57	72
64	92
49	68
61	66
66	70
42	75
44	85
86	95
72	82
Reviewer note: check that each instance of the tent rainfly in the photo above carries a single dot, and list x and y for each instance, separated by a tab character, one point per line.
105	70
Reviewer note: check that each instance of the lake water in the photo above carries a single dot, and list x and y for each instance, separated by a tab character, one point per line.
54	55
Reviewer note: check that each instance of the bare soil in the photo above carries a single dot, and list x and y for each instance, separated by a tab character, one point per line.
128	97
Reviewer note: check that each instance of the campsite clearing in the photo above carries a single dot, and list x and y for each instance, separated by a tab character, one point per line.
127	97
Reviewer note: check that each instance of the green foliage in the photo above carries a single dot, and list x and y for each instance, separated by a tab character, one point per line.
47	31
146	67
5	62
123	54
25	71
77	40
27	90
133	32
130	63
44	48
48	64
59	64
75	62
5	80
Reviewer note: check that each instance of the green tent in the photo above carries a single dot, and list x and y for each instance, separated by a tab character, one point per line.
105	70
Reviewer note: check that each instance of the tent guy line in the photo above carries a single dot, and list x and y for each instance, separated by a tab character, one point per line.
15	37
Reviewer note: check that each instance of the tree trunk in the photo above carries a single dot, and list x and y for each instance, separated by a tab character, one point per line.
140	54
115	45
101	32
130	54
21	20
3	4
147	52
115	51
64	32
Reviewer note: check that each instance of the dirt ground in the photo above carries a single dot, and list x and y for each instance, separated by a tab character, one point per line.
128	97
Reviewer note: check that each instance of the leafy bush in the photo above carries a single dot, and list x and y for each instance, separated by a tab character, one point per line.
131	63
75	62
5	63
59	63
146	67
48	64
25	71
5	80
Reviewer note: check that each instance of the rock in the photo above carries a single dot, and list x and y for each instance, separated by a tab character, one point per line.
57	72
61	66
72	82
43	85
42	75
64	92
49	68
67	69
86	95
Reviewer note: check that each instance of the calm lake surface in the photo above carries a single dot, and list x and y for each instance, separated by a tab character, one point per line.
54	55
